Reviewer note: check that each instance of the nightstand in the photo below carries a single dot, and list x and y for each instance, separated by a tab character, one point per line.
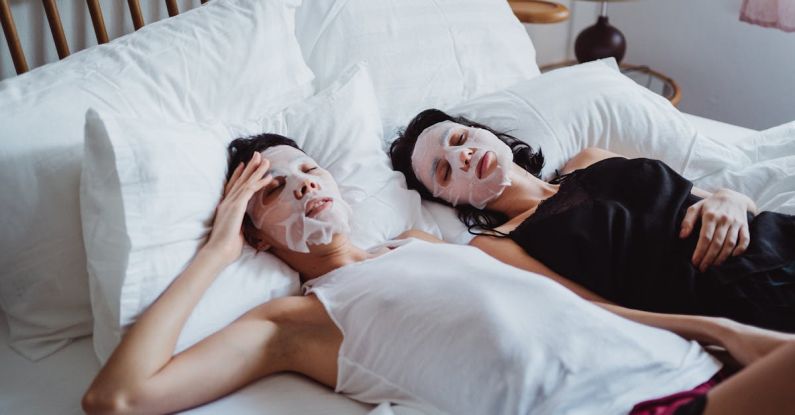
539	11
643	75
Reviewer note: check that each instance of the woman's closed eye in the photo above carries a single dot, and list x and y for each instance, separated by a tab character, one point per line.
274	186
443	172
308	168
458	138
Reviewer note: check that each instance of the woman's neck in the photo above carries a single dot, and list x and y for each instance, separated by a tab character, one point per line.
524	194
323	259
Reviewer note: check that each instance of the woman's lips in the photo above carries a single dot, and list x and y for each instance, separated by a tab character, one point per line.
315	206
486	165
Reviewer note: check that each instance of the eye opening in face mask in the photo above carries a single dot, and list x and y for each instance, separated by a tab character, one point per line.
458	138
309	168
275	186
443	172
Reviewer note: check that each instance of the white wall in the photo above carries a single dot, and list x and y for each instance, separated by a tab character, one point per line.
728	70
34	31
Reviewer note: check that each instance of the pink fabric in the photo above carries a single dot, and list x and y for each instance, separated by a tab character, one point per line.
770	13
668	405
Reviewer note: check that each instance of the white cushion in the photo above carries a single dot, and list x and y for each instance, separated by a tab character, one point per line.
180	68
341	129
421	53
567	110
586	105
149	191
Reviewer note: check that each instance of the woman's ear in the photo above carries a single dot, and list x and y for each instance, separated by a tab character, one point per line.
254	237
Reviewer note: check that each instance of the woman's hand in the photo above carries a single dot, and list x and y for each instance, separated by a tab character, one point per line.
724	227
747	344
226	239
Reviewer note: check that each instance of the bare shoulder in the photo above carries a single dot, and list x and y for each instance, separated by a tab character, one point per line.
492	244
587	157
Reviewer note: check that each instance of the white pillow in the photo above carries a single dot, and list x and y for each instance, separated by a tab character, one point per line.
570	109
229	59
421	53
149	191
341	129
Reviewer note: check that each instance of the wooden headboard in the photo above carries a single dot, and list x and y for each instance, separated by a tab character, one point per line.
56	28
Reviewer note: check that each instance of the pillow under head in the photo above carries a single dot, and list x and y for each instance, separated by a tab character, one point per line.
421	53
150	188
567	110
229	59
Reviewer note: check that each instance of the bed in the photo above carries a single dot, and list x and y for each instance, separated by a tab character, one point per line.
56	383
330	36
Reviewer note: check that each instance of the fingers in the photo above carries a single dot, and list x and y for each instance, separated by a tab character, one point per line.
715	246
729	244
233	178
744	241
689	222
254	170
704	241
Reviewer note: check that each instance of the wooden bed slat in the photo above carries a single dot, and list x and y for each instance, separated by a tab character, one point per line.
135	13
98	21
173	8
10	30
54	18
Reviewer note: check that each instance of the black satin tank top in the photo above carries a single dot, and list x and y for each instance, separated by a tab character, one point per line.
613	228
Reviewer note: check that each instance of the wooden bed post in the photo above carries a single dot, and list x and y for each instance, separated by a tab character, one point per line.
135	13
173	8
56	28
98	21
10	30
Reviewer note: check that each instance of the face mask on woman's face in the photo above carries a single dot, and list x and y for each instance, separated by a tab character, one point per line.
302	206
462	164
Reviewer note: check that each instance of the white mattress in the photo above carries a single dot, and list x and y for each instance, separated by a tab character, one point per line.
54	385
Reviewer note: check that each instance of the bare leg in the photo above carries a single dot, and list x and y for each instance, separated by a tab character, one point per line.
765	387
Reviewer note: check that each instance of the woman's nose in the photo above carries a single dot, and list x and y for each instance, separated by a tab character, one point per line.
307	186
465	156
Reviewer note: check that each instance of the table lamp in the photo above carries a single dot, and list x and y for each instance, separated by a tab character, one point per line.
601	40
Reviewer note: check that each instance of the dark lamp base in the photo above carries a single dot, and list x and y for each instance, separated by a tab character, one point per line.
600	41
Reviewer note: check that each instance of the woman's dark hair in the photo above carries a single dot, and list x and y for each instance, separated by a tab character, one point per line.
402	148
240	151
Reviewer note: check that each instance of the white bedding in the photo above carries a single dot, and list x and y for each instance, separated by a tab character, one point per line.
761	165
55	384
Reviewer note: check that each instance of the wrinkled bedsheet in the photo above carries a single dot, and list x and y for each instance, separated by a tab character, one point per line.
761	166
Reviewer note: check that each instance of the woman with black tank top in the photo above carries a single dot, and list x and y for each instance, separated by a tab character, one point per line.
633	232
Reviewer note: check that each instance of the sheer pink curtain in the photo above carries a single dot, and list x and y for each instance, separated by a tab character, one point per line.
770	13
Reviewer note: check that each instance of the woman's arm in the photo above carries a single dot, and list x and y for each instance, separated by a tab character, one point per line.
724	226
507	251
724	223
141	374
746	344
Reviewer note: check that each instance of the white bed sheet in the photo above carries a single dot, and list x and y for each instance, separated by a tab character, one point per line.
55	384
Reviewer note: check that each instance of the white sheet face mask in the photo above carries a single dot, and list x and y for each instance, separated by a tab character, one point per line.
462	149
308	209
